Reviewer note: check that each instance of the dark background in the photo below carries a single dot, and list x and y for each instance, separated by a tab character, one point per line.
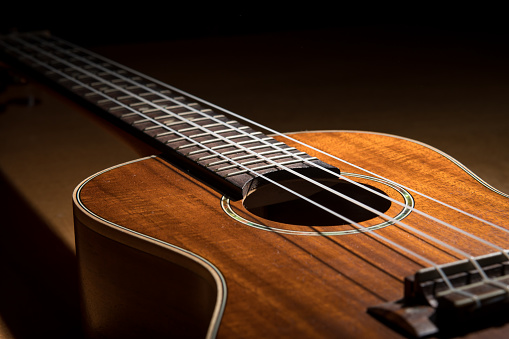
104	22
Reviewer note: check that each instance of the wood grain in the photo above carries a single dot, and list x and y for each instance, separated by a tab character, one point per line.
282	285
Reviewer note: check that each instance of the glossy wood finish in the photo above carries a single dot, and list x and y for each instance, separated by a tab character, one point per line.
282	285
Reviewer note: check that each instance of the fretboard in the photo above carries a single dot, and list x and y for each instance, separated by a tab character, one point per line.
180	125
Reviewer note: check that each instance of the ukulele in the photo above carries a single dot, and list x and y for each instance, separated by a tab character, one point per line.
232	232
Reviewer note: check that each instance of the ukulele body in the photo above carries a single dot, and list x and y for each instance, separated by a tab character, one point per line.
163	254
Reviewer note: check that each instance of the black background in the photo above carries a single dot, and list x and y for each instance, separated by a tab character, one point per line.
109	22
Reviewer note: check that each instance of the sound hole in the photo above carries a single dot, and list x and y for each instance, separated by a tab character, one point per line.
274	203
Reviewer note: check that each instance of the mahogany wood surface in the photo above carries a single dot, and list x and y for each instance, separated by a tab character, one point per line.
292	286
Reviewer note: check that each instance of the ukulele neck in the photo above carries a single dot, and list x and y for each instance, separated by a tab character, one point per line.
187	129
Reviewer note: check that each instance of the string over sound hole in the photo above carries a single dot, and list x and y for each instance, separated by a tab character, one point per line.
275	203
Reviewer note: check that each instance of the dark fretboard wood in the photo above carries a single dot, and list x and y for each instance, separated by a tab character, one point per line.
175	122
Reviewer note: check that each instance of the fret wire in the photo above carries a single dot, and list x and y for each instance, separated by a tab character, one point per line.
193	136
231	129
243	136
220	139
201	143
188	129
231	152
276	151
207	118
109	90
140	121
175	140
219	162
251	141
208	133
252	162
240	157
408	251
171	116
150	110
206	126
174	123
164	133
150	128
214	125
263	167
129	114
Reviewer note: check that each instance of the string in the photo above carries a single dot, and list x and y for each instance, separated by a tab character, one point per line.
238	164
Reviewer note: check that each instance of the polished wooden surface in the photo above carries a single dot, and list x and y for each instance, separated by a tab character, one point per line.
282	285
